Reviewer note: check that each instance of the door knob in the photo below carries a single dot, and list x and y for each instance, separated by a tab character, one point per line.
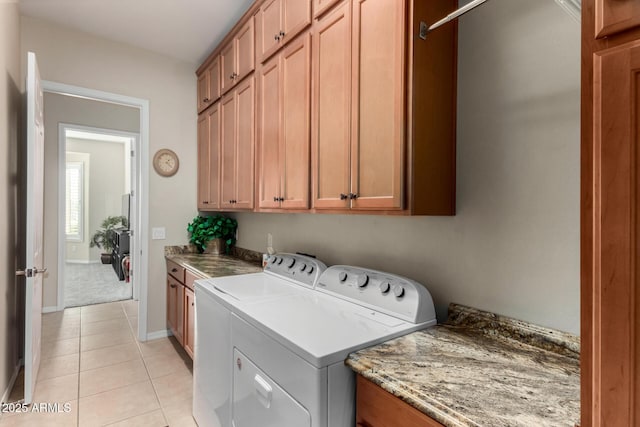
30	272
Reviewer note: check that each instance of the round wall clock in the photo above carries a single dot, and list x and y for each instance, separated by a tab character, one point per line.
166	162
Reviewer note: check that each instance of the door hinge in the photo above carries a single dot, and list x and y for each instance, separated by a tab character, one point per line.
133	153
131	233
133	193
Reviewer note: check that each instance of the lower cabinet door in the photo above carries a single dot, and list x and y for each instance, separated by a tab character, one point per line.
175	309
189	321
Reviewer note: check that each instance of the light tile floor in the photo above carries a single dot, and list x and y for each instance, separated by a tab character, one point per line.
91	359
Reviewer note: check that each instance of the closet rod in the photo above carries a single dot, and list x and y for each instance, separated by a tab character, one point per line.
456	14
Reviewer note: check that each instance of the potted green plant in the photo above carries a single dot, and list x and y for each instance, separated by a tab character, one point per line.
203	229
105	236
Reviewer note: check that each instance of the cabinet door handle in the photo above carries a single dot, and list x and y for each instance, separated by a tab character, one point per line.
353	196
281	34
192	304
205	203
275	199
172	286
206	100
231	76
276	38
174	270
343	196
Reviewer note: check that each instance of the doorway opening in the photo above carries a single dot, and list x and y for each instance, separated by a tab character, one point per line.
139	216
96	187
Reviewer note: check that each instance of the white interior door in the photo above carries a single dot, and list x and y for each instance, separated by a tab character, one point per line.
34	269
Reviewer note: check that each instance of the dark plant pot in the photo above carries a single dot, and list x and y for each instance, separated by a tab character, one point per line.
105	258
216	246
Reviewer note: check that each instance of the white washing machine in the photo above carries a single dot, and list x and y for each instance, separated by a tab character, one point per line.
282	355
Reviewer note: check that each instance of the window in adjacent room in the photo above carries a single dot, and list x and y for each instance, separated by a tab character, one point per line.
74	201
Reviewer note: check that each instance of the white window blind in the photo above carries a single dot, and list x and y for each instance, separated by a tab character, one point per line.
74	201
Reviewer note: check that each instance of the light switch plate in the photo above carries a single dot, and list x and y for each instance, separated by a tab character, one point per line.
158	233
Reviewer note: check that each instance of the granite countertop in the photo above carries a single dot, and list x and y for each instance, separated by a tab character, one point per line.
240	261
480	369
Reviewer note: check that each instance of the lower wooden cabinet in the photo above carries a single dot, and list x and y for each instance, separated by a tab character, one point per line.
376	407
181	306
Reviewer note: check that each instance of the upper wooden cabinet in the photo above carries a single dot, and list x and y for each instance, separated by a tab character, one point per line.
280	21
322	6
237	57
283	155
237	147
208	159
616	16
383	133
382	108
209	85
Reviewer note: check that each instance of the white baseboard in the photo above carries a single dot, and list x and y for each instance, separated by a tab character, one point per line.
159	334
12	381
81	261
49	309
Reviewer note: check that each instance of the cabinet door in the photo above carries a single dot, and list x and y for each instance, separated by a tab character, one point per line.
296	16
214	80
228	66
613	288
175	322
203	161
245	45
204	89
269	16
321	6
377	138
269	140
189	321
616	16
227	150
332	109
245	144
213	115
296	105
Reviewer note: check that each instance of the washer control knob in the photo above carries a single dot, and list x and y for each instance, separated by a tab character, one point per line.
291	262
310	269
273	259
398	291
342	276
303	266
362	280
384	287
280	260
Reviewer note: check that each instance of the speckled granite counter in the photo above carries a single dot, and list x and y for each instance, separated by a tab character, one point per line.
240	261
480	369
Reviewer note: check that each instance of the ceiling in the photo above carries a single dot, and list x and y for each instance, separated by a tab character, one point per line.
182	29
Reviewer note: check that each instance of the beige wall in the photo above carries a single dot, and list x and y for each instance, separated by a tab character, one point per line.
66	109
81	59
78	251
11	229
513	247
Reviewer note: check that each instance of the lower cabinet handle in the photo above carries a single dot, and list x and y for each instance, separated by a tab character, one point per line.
172	286
174	270
343	196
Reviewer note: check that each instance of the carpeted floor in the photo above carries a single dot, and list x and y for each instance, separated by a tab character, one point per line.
93	284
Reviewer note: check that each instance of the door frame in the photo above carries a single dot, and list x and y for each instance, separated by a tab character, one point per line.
62	151
140	237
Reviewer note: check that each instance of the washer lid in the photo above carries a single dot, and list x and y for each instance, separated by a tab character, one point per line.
250	287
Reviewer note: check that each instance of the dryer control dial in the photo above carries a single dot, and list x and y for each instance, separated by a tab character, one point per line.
384	287
291	262
342	276
362	280
398	291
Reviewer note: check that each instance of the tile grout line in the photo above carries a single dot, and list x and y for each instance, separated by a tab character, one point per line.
155	391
